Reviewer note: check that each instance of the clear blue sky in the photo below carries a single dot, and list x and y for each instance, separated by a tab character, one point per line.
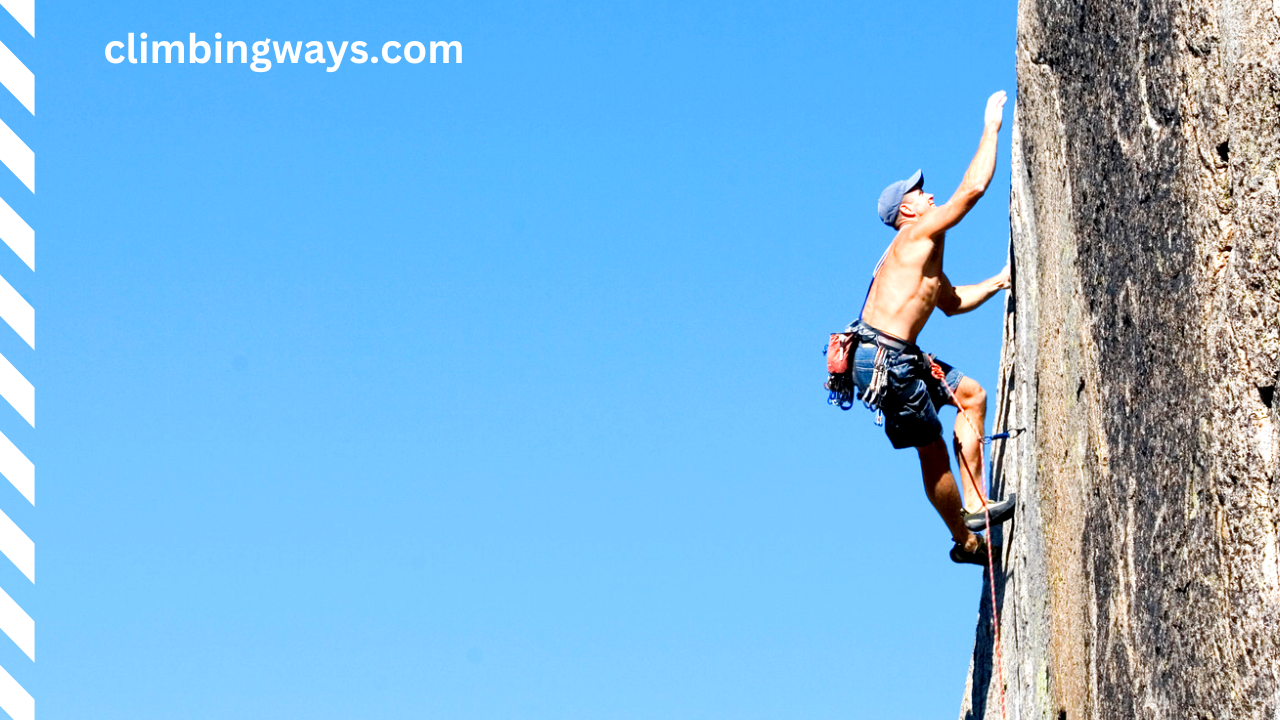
492	390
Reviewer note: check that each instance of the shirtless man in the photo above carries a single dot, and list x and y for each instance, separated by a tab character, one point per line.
908	285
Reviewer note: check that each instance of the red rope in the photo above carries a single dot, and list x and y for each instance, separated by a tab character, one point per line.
991	573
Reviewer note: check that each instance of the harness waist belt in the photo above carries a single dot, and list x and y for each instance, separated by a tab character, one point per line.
869	334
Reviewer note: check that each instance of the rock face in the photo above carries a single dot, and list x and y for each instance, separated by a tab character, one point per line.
1141	356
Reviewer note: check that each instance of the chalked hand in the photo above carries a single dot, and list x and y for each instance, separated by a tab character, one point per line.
995	109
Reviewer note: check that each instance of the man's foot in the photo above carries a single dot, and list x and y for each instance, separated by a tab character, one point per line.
1000	511
977	556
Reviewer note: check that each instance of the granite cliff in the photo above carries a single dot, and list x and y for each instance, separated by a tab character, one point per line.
1141	344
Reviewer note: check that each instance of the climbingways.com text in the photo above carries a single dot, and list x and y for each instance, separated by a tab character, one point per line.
264	52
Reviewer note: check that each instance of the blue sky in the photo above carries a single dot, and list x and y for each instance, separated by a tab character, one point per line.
488	390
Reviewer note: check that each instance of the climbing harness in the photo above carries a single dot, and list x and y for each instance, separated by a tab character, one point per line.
941	375
842	386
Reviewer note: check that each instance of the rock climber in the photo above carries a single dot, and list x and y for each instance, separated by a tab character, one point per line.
906	287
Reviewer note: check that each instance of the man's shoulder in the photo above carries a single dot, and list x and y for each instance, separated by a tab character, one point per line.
913	233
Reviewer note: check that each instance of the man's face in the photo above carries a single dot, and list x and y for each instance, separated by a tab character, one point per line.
918	202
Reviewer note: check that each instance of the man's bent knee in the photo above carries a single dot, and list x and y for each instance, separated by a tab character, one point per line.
970	393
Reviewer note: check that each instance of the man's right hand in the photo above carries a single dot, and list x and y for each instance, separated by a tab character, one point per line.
995	110
1001	281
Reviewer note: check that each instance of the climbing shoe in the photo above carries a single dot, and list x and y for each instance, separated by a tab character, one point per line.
978	556
1000	511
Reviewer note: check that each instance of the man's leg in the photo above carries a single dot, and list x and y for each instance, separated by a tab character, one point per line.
940	486
968	443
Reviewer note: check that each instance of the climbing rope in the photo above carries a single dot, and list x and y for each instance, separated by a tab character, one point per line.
941	375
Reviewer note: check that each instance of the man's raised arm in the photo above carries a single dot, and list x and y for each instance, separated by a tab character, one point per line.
976	178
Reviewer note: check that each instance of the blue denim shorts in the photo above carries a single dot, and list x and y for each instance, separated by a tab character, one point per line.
913	397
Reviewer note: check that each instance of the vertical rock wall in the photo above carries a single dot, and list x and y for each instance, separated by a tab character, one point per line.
1141	356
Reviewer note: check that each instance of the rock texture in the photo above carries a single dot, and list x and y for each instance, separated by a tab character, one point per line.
1141	355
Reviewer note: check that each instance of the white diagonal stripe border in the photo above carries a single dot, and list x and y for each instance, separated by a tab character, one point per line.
17	156
16	546
18	625
17	78
14	700
20	393
16	311
24	11
17	469
17	234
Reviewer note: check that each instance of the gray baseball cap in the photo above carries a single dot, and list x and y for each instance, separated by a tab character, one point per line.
891	198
